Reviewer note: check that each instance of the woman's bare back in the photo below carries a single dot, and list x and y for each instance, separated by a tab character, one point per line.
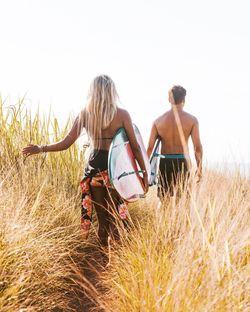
108	133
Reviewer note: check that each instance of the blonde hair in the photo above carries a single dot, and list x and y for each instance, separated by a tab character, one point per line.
101	107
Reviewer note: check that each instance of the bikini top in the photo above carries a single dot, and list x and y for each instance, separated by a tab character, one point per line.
103	139
87	144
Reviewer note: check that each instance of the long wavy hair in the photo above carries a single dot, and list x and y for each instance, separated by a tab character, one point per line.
100	109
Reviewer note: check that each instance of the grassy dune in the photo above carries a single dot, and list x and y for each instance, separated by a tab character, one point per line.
39	214
188	255
191	255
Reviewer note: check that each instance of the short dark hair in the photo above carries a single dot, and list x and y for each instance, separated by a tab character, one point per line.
179	94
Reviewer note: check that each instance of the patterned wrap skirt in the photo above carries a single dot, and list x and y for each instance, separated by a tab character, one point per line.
96	175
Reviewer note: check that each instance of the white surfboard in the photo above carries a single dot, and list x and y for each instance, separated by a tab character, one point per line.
124	171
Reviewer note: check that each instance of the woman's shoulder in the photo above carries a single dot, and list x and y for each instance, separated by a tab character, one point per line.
123	113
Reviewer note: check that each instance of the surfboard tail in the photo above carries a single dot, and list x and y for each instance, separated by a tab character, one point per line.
154	164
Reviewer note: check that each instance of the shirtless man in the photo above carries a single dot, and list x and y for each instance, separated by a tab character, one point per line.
174	129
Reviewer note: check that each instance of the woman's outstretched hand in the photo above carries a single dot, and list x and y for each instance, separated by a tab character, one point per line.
31	149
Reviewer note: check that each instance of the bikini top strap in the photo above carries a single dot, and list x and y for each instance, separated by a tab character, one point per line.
103	139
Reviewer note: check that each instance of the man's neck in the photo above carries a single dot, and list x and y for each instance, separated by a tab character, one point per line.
178	107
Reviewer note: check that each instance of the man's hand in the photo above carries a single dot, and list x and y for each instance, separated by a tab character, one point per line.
198	175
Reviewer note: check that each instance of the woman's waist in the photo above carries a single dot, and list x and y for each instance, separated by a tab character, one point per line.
99	159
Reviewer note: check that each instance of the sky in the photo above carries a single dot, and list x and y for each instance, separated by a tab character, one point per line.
52	49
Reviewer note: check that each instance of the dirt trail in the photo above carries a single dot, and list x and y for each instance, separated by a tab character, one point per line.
90	269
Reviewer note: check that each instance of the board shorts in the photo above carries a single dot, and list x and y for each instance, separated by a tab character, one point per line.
173	173
96	175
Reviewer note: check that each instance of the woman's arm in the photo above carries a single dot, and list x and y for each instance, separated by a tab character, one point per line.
64	144
128	126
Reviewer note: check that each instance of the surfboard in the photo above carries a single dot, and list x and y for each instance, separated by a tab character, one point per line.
154	163
124	171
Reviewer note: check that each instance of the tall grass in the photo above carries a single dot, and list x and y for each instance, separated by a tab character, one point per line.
39	214
18	127
190	254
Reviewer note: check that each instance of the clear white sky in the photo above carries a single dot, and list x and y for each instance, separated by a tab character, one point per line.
52	49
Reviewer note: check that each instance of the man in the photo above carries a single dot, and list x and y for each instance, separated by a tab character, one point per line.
174	129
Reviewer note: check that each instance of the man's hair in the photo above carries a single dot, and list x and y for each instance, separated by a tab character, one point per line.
179	94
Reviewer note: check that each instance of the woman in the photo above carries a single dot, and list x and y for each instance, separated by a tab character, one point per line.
101	118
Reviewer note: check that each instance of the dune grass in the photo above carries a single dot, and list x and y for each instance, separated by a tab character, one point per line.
190	254
39	214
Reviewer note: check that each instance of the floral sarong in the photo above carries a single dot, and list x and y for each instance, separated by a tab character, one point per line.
99	179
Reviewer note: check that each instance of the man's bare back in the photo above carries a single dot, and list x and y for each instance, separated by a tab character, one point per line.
167	130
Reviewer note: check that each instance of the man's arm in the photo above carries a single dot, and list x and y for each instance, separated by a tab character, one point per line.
198	151
152	139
